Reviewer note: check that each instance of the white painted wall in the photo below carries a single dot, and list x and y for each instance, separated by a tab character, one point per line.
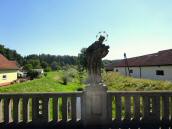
148	72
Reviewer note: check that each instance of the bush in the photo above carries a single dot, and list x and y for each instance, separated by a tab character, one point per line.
80	89
64	79
32	74
45	74
48	69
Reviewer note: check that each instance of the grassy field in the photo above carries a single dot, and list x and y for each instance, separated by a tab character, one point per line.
114	81
50	83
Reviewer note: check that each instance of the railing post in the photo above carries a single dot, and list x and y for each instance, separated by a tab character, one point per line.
16	109
74	117
1	110
64	108
55	109
6	110
25	109
40	109
137	113
94	106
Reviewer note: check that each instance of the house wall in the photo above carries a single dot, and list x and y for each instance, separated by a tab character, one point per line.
11	75
148	72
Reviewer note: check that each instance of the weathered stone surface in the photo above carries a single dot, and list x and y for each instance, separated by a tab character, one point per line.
94	55
94	106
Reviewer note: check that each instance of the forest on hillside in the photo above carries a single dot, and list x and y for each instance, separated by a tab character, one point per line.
45	61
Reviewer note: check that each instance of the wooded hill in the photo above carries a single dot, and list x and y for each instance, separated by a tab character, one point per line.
45	61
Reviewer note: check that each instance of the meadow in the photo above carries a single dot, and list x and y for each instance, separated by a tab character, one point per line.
53	82
50	83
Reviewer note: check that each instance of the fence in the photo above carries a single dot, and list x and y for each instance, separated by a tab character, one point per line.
122	109
140	108
39	108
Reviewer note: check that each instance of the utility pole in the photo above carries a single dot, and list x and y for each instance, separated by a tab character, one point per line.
126	63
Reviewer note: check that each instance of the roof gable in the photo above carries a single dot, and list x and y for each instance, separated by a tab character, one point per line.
6	64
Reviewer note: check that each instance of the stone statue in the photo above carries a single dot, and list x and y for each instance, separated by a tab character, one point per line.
94	55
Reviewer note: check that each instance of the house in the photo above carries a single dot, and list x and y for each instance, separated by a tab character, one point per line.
8	71
152	66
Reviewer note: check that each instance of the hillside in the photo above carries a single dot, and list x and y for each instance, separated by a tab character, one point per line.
50	83
115	82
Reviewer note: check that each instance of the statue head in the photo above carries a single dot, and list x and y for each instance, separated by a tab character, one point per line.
101	38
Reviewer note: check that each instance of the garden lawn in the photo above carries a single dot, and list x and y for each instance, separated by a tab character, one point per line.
50	83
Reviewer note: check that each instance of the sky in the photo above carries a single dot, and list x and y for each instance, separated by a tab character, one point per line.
64	27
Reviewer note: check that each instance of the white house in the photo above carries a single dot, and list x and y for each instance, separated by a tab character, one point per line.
152	66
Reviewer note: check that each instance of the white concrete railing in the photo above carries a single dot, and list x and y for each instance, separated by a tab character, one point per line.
39	108
105	108
140	107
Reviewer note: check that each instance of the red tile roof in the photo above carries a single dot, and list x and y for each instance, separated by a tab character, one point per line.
6	64
161	58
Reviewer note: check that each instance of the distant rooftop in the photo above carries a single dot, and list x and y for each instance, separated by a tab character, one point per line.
7	64
161	58
156	59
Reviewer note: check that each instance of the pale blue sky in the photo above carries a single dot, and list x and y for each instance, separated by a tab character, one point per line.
63	27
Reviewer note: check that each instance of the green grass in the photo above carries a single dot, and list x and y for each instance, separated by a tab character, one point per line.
118	82
114	81
50	83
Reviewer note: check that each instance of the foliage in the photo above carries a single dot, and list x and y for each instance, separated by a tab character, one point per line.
70	74
32	74
38	61
44	65
11	54
65	79
49	83
82	62
28	67
54	65
35	63
116	81
48	69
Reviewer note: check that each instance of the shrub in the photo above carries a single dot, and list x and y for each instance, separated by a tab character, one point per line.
45	74
64	79
48	69
32	74
80	89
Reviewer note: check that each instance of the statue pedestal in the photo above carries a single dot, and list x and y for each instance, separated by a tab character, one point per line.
94	106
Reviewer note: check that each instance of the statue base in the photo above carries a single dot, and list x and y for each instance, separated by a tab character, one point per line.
94	106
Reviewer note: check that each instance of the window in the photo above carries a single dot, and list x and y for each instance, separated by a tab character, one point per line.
160	72
4	77
116	70
130	71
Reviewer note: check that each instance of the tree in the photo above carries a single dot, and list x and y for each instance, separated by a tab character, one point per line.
11	54
82	63
28	67
54	65
44	64
35	63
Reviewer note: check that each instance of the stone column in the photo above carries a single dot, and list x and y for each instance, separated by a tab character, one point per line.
94	106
